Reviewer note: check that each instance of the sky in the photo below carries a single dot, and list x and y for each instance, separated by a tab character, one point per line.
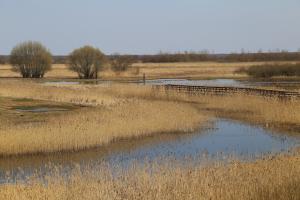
151	26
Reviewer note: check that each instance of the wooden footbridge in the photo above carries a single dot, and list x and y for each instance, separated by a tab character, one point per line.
210	90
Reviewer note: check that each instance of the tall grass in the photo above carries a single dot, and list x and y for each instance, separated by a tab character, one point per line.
126	111
98	126
268	179
262	110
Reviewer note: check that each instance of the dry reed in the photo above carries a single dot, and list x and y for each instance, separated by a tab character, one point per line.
92	127
122	111
272	178
127	111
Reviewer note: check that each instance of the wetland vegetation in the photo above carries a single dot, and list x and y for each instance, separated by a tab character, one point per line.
100	115
149	100
115	138
268	178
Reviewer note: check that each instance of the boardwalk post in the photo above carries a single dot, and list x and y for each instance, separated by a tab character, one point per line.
144	78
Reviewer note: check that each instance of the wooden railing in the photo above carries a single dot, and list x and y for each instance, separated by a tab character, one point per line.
209	90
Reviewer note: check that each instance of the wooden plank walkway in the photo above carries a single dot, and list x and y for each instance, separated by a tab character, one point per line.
210	90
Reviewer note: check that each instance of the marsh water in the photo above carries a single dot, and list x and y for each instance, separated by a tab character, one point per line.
43	109
280	84
226	139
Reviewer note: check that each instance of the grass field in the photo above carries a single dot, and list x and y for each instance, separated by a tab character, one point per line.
154	70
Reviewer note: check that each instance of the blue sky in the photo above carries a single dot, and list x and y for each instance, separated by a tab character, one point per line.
150	26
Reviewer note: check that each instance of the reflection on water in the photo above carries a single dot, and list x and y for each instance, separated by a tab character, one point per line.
287	84
226	139
212	82
41	109
61	83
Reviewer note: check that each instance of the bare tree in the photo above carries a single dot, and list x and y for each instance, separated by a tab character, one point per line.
31	59
87	61
121	63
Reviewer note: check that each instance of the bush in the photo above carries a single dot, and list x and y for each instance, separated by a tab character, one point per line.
31	59
87	61
121	63
271	70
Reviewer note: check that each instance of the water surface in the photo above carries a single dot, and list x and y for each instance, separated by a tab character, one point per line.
226	139
40	109
280	84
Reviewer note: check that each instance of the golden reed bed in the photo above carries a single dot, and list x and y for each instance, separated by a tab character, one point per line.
133	111
275	178
109	118
124	111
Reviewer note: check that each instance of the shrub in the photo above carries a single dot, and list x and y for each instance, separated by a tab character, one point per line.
271	70
121	63
31	59
87	61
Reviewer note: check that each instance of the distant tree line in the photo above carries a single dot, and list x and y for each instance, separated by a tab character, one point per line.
33	60
202	57
191	57
262	56
233	57
59	59
4	59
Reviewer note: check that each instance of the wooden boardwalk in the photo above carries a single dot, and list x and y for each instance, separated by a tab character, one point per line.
210	90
